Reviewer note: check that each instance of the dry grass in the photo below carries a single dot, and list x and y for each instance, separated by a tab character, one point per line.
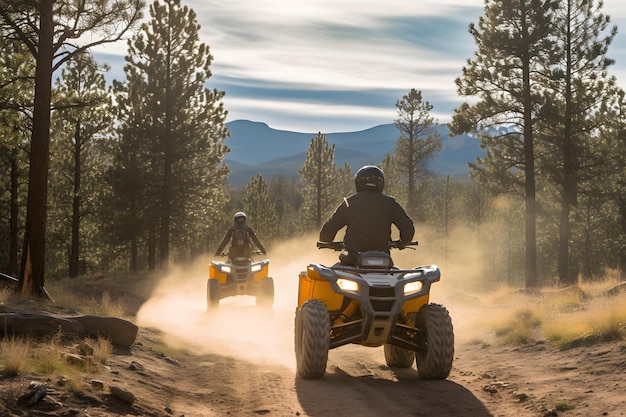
102	349
66	298
14	358
564	317
5	295
56	355
48	356
519	327
60	359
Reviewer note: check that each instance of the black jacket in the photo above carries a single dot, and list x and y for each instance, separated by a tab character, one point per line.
368	216
229	235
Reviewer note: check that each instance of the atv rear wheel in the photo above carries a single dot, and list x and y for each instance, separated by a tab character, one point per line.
397	357
435	361
212	294
312	339
265	298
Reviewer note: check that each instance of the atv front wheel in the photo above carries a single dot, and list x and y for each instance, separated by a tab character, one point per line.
265	298
435	360
312	339
397	357
212	294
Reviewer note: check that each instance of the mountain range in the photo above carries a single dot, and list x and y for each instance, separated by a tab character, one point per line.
256	148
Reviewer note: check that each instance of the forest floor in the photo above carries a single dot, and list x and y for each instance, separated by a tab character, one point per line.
240	362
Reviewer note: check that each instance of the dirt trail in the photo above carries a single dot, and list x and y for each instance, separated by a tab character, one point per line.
240	362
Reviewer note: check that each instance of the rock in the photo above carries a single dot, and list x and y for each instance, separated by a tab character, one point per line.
36	391
119	331
97	384
42	323
85	348
77	360
122	395
135	366
521	397
615	290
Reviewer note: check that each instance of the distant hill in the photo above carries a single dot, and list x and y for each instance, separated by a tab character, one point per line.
257	148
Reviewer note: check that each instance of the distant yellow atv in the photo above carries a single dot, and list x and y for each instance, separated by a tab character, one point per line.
373	303
240	276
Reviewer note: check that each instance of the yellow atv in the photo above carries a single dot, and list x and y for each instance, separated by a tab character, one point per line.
240	276
373	303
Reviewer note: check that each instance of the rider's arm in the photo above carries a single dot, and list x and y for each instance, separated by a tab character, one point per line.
256	240
335	223
404	223
225	240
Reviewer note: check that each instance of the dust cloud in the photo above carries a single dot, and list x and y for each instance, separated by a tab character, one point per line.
238	328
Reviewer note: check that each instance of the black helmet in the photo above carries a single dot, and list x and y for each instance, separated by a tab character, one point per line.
240	217
369	177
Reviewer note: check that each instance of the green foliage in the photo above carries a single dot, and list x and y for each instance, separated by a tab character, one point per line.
319	183
260	209
156	185
16	88
418	143
83	117
172	131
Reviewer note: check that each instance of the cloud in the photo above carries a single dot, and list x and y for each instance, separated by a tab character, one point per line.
330	65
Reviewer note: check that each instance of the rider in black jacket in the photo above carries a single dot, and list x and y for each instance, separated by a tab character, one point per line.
368	215
242	237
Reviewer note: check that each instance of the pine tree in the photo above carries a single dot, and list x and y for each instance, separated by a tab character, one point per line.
345	181
514	43
16	86
260	210
580	88
182	127
393	182
319	182
54	31
83	115
283	192
417	145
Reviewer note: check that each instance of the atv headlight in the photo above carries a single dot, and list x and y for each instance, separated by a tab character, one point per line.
256	268
347	285
413	287
225	269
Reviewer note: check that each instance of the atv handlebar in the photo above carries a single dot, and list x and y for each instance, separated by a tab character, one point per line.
256	252
339	246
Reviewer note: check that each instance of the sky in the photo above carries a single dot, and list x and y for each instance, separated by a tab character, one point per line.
340	65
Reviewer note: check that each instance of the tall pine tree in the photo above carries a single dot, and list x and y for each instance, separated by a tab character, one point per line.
417	145
514	43
83	115
319	182
580	89
182	127
54	31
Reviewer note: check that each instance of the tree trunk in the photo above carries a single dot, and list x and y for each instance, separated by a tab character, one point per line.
31	279
621	263
14	220
75	248
564	233
529	167
152	248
